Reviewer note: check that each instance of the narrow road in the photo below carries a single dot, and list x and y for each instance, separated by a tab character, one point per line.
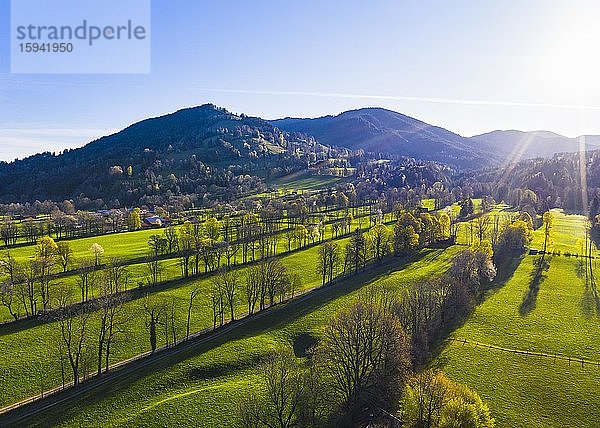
20	412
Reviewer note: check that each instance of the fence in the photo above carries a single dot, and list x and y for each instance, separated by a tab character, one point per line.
554	356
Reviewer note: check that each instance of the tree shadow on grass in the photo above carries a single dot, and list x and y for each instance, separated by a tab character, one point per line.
506	266
590	302
151	369
538	275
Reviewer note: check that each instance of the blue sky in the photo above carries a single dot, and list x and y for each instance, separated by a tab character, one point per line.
470	66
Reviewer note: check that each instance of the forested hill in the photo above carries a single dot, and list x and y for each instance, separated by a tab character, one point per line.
201	150
543	182
378	130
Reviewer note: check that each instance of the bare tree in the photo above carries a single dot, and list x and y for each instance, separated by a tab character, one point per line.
481	225
172	323
154	270
195	292
154	310
366	352
73	324
230	251
227	281
280	406
113	318
27	291
253	287
172	240
217	299
274	281
117	274
13	272
328	261
86	277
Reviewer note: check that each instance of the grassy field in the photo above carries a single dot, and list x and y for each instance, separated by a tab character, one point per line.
203	390
133	245
560	318
525	391
304	182
568	233
30	354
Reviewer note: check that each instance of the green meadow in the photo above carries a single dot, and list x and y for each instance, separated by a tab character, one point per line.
212	381
561	317
30	356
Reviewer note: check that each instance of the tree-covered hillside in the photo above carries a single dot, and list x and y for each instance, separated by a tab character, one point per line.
202	151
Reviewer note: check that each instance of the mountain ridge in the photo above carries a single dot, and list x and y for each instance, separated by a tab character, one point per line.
532	144
378	130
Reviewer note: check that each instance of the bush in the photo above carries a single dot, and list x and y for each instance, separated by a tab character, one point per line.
432	400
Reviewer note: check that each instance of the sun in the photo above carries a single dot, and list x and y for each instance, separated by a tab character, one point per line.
572	61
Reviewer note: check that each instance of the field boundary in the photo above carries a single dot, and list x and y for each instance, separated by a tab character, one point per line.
550	355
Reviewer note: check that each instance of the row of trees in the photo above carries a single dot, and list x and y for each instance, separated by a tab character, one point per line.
359	372
86	335
27	284
409	233
421	314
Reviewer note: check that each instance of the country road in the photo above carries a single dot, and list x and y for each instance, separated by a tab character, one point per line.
19	413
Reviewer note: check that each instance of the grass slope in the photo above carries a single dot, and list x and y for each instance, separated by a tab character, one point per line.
203	390
30	361
532	391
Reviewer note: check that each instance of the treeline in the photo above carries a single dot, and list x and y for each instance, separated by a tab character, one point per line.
103	313
536	185
360	371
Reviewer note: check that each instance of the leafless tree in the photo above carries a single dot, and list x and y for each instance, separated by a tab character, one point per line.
154	310
195	292
366	352
328	261
86	277
113	318
280	406
27	291
172	240
253	287
154	270
73	324
227	281
13	273
217	300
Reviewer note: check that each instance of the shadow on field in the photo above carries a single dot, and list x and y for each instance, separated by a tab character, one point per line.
204	373
538	275
590	302
506	268
175	358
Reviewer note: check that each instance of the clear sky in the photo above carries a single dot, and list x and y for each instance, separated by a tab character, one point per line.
470	66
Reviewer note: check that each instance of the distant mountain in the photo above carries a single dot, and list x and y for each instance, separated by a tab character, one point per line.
202	150
202	154
378	130
533	144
